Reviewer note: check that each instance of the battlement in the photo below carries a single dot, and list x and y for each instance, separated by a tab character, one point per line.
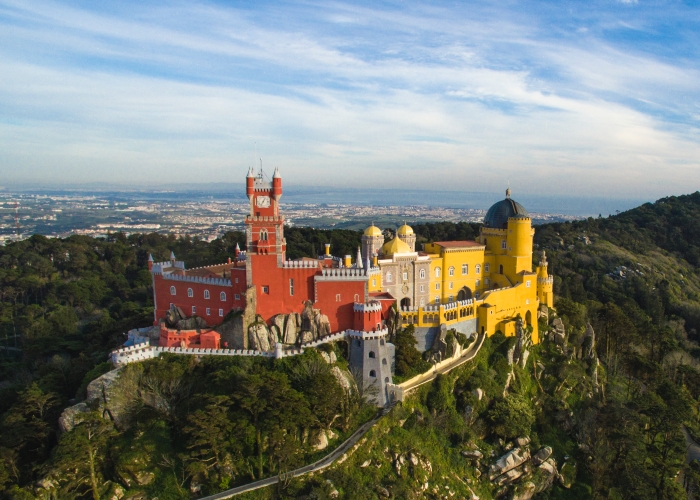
369	307
368	335
264	218
159	266
299	264
546	281
197	279
343	274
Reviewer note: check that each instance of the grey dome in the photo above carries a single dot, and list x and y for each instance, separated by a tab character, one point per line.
498	215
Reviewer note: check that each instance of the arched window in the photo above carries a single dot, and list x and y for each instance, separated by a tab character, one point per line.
478	268
503	244
422	274
451	271
487	268
388	277
372	373
381	342
384	361
465	268
172	290
371	354
190	292
437	272
222	295
206	294
263	235
500	269
386	380
356	298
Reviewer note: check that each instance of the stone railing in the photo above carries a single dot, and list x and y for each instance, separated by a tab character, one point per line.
144	351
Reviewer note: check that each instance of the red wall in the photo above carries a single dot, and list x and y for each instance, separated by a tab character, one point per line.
164	298
278	300
367	321
340	313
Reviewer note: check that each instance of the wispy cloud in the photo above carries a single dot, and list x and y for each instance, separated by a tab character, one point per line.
441	96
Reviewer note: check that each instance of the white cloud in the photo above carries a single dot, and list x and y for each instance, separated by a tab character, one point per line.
450	102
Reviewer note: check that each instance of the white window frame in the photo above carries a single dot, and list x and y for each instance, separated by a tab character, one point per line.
173	290
503	244
222	296
527	284
437	286
388	277
221	313
405	275
208	311
190	292
237	296
487	268
194	309
437	272
206	294
465	269
422	274
451	271
266	289
291	287
478	269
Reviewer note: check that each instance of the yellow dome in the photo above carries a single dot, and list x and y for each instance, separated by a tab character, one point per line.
395	246
373	231
405	230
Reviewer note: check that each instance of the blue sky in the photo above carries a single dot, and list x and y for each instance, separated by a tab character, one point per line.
591	98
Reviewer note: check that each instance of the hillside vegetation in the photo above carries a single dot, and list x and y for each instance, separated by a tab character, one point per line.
611	410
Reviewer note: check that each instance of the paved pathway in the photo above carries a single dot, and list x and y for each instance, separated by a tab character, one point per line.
426	377
316	466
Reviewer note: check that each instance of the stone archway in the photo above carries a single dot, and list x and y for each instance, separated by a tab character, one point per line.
405	302
464	293
528	318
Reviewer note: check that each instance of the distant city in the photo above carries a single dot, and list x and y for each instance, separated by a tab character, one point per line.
208	214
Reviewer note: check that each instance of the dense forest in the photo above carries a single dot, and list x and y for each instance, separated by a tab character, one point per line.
190	428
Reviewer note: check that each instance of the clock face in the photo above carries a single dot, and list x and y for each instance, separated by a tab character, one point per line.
262	201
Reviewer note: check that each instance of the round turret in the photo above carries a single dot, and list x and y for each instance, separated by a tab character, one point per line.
499	213
373	231
405	230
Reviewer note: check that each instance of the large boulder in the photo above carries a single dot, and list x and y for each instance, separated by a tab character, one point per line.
323	325
259	337
344	378
308	320
507	462
524	491
548	474
291	328
71	416
541	455
559	331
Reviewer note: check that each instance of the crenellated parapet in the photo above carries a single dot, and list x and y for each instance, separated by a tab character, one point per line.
264	218
300	264
198	279
343	274
158	267
368	307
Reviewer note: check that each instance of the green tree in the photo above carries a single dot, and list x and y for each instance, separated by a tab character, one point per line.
512	416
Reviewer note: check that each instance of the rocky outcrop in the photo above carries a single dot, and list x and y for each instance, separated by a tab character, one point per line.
291	328
260	337
344	378
323	325
541	455
71	416
559	332
308	320
507	462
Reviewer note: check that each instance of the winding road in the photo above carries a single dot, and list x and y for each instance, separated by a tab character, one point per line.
316	466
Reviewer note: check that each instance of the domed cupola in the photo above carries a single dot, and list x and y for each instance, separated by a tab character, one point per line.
406	234
498	215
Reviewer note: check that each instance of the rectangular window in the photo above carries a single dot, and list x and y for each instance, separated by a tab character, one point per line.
236	280
451	285
422	288
194	309
266	289
337	297
374	282
503	244
452	298
478	282
291	286
405	276
208	311
527	284
221	313
465	268
486	282
487	267
238	296
437	299
437	286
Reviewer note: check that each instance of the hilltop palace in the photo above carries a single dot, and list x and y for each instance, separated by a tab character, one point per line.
260	300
